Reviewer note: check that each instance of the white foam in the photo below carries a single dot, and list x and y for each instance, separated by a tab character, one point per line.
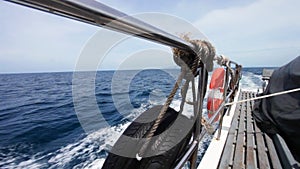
250	82
100	140
31	163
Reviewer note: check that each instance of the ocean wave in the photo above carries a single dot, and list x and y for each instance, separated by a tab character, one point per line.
251	82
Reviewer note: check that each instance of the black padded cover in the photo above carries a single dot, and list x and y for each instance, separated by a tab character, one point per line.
281	114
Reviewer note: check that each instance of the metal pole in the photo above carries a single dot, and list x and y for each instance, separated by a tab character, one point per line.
96	13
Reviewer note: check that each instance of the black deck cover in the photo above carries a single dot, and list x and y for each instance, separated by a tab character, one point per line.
281	114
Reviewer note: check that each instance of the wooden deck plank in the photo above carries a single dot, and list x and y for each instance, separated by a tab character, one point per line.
239	155
261	148
215	149
246	146
273	157
227	155
251	158
275	162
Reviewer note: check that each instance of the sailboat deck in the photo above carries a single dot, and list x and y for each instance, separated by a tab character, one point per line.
246	146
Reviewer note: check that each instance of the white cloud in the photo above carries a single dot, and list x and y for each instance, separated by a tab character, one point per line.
237	28
264	24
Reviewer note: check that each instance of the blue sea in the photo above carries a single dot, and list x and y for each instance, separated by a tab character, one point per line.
41	128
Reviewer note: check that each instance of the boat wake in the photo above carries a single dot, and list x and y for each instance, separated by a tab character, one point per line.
251	82
90	150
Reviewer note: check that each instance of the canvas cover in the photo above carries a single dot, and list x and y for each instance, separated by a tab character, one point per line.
281	114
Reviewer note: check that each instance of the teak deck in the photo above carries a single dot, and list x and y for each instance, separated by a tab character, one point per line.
246	146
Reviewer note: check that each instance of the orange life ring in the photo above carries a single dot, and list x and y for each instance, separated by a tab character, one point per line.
216	91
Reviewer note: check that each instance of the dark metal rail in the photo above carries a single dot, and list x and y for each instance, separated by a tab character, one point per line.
200	134
95	13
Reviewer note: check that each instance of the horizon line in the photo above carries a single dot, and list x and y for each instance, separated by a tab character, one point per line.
106	70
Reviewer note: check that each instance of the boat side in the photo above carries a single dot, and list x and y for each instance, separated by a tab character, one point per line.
215	149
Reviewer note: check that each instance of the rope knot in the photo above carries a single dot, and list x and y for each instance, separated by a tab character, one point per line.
222	60
203	51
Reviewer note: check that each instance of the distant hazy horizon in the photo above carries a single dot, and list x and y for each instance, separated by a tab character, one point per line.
110	70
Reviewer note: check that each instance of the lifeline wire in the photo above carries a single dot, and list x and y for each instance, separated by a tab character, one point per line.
265	96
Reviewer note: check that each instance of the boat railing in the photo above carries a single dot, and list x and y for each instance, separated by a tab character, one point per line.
98	14
233	75
95	13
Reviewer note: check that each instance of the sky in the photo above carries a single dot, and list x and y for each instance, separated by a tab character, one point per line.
251	32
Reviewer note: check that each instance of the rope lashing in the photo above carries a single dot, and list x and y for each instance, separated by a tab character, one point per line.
265	96
161	114
204	51
209	53
222	60
208	127
189	63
